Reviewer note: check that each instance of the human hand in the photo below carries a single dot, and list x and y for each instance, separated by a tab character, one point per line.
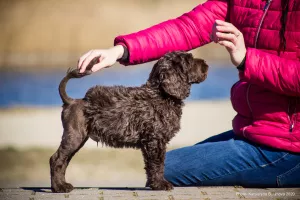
107	57
229	36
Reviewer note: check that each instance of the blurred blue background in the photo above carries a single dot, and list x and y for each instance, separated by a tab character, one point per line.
31	89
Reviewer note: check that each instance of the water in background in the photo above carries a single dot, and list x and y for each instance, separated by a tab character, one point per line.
29	89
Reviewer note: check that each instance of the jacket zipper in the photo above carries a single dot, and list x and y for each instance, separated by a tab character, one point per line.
267	5
244	129
291	116
266	8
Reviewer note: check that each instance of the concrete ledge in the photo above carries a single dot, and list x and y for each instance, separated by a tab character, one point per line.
189	193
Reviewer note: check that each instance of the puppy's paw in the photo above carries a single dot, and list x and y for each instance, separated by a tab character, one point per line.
161	185
62	188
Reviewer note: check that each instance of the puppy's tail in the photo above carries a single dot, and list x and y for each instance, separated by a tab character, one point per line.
71	73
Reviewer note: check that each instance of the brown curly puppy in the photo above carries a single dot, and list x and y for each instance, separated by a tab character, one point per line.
145	117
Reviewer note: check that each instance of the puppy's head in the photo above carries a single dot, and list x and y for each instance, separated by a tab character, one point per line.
176	71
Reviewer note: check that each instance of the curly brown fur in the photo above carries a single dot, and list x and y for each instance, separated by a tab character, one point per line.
145	117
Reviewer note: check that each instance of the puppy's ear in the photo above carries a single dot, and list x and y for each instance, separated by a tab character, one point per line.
174	84
198	71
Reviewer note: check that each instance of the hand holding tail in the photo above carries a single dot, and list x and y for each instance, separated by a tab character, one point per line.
74	73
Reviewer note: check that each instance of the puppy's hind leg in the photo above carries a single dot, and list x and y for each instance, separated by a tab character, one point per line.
154	152
74	137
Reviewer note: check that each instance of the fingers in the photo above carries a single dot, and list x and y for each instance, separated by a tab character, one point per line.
230	37
231	30
227	36
223	23
87	60
226	27
229	45
82	58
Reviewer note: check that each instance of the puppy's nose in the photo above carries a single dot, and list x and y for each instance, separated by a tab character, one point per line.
204	68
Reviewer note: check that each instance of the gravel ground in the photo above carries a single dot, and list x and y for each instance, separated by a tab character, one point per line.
205	193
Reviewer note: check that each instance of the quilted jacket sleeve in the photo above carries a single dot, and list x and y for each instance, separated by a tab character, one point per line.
186	32
272	72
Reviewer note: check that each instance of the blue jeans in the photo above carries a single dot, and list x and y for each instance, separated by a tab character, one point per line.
225	160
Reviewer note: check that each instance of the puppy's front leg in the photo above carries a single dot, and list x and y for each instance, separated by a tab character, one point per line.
154	152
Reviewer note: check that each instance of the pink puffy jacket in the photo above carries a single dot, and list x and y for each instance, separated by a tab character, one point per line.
267	96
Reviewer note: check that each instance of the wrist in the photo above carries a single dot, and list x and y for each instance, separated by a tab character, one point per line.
118	51
238	58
